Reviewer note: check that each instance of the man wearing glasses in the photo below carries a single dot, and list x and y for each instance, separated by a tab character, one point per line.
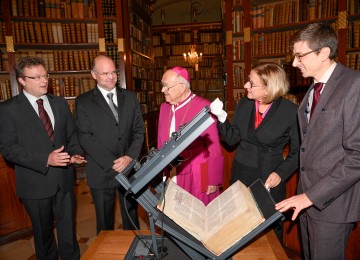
328	200
38	135
111	131
200	171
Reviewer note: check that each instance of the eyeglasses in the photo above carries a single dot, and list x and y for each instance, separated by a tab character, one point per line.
37	78
107	74
299	56
252	85
167	88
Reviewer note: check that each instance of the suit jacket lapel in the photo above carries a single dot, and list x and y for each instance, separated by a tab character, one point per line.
326	94
99	98
28	110
269	114
121	102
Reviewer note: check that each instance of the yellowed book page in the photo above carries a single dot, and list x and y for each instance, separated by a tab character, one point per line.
240	215
184	209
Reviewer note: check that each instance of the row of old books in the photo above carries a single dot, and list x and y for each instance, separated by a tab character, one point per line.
238	49
109	8
139	23
159	98
142	73
237	21
207	72
5	90
210	37
4	61
239	77
113	53
110	32
173	61
83	9
148	107
141	61
354	35
144	5
43	32
144	96
354	6
353	60
75	60
175	38
140	36
140	47
211	95
295	77
143	85
318	9
271	43
213	84
187	38
158	52
274	14
70	86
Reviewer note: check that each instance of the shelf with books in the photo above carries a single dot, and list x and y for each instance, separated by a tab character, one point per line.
139	63
55	9
170	44
52	31
5	88
266	39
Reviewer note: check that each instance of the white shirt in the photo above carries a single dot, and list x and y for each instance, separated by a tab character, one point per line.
105	92
32	99
324	79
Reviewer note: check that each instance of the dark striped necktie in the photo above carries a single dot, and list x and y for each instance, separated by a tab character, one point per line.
45	119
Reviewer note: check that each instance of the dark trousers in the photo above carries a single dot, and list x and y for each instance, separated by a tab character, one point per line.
104	201
42	213
324	240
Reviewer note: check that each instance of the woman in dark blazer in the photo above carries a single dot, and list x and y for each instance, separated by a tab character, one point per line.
262	125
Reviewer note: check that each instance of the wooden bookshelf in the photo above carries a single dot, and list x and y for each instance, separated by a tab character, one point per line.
265	30
139	62
172	41
68	35
263	35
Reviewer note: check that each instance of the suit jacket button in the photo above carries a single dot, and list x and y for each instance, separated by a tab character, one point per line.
302	168
302	149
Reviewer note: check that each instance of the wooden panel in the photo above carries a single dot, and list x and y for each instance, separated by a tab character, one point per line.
13	216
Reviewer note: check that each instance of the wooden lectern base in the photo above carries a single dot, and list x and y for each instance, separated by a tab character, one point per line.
115	244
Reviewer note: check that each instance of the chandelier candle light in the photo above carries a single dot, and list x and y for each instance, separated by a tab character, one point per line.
193	58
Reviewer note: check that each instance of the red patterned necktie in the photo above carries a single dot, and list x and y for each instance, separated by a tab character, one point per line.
45	119
317	89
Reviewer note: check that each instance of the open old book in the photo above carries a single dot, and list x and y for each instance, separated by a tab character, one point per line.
221	223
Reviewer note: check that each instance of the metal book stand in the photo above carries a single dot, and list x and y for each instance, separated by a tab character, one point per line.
138	184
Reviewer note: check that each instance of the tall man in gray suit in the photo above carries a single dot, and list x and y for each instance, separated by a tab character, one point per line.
38	135
328	197
111	131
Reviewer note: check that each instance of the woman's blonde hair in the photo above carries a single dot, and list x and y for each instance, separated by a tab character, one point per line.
274	78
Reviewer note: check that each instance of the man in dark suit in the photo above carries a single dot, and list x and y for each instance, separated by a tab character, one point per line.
329	187
42	158
111	131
